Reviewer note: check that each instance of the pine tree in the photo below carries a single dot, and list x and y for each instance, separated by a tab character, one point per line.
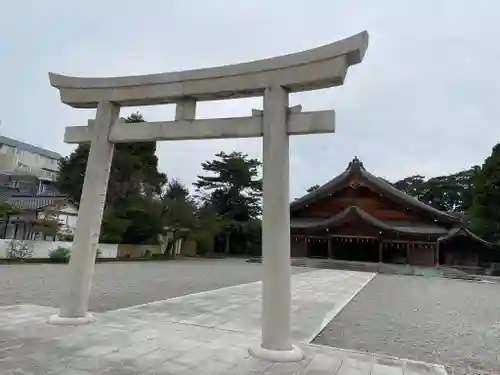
234	191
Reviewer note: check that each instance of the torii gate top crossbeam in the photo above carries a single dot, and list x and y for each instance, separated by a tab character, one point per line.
313	69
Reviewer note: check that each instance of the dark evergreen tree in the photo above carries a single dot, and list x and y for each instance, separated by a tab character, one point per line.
134	182
234	188
234	191
446	193
485	209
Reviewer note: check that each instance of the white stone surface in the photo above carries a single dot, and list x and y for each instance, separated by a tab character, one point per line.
316	297
78	321
316	122
313	69
294	354
151	339
95	185
185	110
276	279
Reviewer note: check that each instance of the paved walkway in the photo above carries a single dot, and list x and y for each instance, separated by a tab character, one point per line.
205	333
317	297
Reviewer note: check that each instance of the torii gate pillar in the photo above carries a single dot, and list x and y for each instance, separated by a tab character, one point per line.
88	227
276	283
274	79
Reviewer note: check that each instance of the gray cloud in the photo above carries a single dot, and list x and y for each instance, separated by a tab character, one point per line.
425	100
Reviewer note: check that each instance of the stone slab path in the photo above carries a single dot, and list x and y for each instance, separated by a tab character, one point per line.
204	333
316	298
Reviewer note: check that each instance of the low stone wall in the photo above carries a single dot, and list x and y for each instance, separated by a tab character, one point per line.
189	248
137	251
41	249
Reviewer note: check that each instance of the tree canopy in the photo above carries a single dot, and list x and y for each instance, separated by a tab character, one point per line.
233	189
134	181
7	209
446	193
485	207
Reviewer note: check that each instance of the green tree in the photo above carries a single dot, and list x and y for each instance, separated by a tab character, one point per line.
233	190
72	172
181	217
413	185
6	211
209	225
178	208
177	213
446	193
485	208
134	182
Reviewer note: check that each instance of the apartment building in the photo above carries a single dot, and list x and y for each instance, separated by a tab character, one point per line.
19	157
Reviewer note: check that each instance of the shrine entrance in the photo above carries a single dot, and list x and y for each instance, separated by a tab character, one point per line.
355	248
273	79
317	247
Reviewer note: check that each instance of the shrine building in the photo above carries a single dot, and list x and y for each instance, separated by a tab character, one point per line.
360	217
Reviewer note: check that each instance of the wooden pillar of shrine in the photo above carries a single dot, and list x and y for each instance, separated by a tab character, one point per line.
306	246
407	253
436	263
330	247
380	251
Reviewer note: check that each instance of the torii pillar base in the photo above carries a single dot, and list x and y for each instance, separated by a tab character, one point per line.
293	355
79	321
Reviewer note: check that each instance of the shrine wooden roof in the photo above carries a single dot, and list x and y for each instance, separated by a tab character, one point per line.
355	211
356	171
462	231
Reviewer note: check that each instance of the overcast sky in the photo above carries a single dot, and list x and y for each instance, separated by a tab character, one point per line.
425	100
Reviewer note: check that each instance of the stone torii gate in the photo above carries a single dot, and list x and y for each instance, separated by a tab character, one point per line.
272	78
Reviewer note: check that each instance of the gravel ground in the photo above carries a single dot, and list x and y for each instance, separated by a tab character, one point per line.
123	284
452	322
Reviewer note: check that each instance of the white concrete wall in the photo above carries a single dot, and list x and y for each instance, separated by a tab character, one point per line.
42	248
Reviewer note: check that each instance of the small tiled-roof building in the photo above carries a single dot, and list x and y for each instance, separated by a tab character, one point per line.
358	216
31	209
34	198
37	202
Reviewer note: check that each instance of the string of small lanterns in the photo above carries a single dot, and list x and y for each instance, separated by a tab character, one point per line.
363	240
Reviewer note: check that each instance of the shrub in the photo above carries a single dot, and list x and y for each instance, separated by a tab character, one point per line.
64	237
19	250
60	254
